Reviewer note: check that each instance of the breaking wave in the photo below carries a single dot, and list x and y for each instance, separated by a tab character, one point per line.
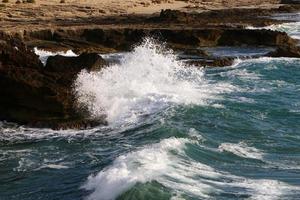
147	80
167	163
242	149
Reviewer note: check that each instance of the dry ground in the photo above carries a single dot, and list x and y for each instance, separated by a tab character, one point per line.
48	12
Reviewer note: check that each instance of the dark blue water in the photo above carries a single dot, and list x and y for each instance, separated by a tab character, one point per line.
238	138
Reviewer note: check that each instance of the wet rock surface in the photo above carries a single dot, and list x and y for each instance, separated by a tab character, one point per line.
63	64
212	62
285	51
40	96
122	39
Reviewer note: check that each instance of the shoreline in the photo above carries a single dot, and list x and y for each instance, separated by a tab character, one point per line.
47	91
43	36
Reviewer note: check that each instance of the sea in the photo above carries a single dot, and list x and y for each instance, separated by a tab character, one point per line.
174	132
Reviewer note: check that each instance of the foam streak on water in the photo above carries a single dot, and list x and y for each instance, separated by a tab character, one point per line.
147	80
242	149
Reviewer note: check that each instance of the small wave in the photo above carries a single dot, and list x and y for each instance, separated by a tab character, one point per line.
270	59
11	154
217	105
242	149
53	166
194	134
241	74
265	189
26	164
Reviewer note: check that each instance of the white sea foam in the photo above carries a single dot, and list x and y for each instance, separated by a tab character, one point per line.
244	72
265	60
265	189
167	163
53	166
217	105
294	110
32	163
193	133
11	154
25	164
242	149
140	166
147	80
11	133
43	55
246	100
241	73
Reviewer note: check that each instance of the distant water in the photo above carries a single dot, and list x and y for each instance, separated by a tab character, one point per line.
294	17
226	51
175	132
292	26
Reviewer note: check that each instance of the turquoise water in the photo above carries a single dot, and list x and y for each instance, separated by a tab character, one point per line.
222	133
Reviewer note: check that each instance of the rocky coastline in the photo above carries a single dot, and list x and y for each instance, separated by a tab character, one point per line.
41	96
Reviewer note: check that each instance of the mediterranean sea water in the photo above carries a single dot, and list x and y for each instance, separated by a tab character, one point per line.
175	132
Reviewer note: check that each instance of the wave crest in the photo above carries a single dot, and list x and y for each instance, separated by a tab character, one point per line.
147	80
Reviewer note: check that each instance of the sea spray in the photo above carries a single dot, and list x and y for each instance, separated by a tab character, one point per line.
147	80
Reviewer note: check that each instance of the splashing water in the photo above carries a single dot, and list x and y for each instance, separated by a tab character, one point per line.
147	80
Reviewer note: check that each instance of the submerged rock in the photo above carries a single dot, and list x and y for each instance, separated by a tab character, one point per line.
41	96
196	52
286	51
212	62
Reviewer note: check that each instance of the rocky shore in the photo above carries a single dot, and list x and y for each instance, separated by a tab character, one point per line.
41	96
